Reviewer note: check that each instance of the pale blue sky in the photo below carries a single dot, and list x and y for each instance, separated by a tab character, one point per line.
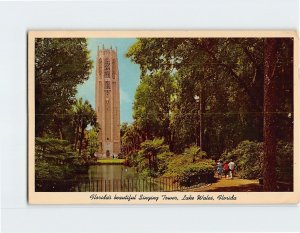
129	74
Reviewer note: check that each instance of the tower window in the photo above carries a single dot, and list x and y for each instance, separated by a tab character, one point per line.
113	68
106	68
107	85
100	67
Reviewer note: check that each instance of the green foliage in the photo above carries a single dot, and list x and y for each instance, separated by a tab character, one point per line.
195	152
50	145
83	116
132	159
93	142
55	160
248	156
153	147
176	162
49	171
152	156
152	105
193	174
228	74
229	71
162	165
60	65
131	139
189	172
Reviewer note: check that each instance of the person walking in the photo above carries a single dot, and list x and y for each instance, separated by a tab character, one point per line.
231	166
219	168
226	169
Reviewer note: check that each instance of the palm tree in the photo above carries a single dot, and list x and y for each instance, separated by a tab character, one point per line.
83	115
150	149
194	151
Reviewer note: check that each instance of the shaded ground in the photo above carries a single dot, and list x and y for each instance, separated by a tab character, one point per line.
234	185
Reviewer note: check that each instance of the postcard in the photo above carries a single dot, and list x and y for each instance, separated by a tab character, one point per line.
163	117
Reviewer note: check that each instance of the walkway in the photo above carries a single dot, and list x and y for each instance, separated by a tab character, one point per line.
234	185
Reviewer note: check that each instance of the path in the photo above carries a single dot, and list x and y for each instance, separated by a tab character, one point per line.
234	185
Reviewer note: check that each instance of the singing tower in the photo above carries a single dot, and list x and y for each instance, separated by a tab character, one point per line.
108	102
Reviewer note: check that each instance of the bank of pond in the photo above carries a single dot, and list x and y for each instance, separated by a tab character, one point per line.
112	178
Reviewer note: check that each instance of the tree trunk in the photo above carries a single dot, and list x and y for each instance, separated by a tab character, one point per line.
58	125
269	158
149	163
81	139
60	133
76	137
202	112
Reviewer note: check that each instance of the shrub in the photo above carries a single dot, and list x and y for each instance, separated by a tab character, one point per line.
151	158
50	146
196	173
131	159
54	160
189	173
162	164
248	156
174	163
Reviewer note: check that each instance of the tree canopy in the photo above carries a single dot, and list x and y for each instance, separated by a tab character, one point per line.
222	91
60	65
64	126
229	74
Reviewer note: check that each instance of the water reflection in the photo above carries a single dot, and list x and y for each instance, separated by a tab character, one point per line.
111	172
111	178
118	178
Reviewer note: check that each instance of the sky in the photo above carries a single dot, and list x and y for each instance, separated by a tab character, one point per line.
129	75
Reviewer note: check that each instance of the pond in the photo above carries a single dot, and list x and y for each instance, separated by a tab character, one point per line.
110	178
114	178
111	172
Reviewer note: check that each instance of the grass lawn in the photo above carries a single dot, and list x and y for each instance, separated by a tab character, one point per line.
110	161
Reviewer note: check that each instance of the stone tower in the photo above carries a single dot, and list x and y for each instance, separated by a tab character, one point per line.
108	102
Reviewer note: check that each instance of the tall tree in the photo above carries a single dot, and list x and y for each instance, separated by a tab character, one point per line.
60	65
84	115
222	72
131	138
270	108
230	73
93	141
149	155
152	106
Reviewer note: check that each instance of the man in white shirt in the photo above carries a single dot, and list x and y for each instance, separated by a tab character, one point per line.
231	166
